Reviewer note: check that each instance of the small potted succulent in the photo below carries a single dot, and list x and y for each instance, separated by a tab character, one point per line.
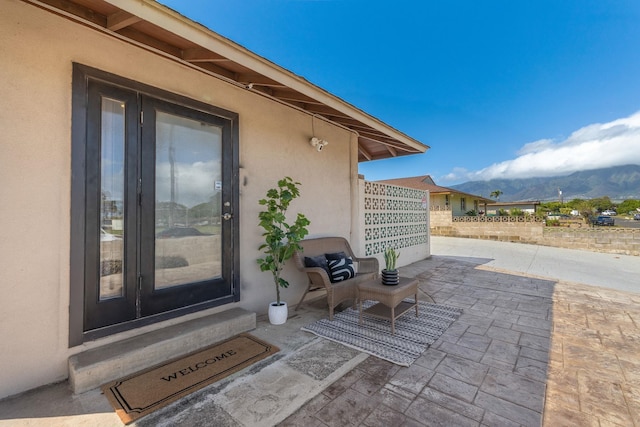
390	273
281	239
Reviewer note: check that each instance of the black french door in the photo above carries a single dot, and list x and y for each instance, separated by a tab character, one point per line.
160	197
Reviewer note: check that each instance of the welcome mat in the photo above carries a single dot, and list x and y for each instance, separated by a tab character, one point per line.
139	394
413	334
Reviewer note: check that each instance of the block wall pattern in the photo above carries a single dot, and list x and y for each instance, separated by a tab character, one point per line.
483	218
394	217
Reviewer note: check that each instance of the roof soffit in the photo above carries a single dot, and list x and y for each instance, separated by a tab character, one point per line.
154	25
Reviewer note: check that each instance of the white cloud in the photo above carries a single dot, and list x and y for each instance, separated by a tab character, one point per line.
534	146
594	146
456	174
195	182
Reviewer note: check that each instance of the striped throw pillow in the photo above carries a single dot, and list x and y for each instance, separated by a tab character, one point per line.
341	269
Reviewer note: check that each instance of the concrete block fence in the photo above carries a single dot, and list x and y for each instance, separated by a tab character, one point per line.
509	229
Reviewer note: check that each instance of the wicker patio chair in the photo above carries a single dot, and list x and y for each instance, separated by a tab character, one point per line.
367	268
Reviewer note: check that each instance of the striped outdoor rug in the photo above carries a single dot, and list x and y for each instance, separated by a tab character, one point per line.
413	334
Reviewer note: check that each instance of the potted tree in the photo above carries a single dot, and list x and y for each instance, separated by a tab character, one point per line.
390	273
281	239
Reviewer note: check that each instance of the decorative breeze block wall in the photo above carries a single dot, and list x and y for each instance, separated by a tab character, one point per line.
397	217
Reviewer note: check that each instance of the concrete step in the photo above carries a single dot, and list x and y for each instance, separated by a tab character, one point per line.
95	367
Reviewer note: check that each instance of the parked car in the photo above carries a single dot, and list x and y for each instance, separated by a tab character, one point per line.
609	212
603	220
637	217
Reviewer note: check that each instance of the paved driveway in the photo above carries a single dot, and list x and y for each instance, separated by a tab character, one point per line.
527	350
614	271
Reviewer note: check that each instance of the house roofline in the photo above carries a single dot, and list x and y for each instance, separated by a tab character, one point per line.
372	133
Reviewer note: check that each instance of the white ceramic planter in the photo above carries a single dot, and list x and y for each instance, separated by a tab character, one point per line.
278	313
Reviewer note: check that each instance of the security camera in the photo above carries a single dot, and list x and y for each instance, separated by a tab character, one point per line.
318	143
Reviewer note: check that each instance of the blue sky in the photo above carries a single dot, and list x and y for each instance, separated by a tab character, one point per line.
497	88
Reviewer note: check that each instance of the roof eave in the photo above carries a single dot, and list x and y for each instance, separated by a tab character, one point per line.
162	16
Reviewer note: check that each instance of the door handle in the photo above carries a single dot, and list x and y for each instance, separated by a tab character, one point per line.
227	216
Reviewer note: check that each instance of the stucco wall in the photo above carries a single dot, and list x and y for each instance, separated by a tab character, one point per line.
38	49
439	202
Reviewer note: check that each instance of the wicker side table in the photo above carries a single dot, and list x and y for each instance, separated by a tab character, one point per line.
390	304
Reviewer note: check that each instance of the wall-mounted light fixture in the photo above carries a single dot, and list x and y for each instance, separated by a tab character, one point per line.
315	142
318	143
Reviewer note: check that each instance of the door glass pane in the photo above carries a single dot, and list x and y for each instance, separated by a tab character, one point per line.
112	198
188	196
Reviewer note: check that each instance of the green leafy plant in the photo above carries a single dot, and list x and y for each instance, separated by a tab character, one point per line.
390	258
281	239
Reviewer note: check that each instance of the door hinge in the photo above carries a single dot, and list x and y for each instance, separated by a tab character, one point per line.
139	191
141	118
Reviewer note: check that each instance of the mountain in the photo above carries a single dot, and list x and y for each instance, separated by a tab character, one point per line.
618	183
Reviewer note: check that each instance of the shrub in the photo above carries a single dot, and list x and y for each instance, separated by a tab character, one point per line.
110	266
171	262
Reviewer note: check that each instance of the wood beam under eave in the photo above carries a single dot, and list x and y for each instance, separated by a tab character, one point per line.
77	10
392	150
150	41
368	132
326	111
121	19
258	80
264	89
217	70
355	124
364	152
267	84
395	145
294	96
292	100
199	54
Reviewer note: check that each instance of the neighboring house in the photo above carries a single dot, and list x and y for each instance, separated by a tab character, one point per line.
529	207
135	146
443	198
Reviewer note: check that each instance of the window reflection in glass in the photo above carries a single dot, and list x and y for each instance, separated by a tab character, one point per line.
188	197
112	198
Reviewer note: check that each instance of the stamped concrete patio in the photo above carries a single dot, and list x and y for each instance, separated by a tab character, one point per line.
527	351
